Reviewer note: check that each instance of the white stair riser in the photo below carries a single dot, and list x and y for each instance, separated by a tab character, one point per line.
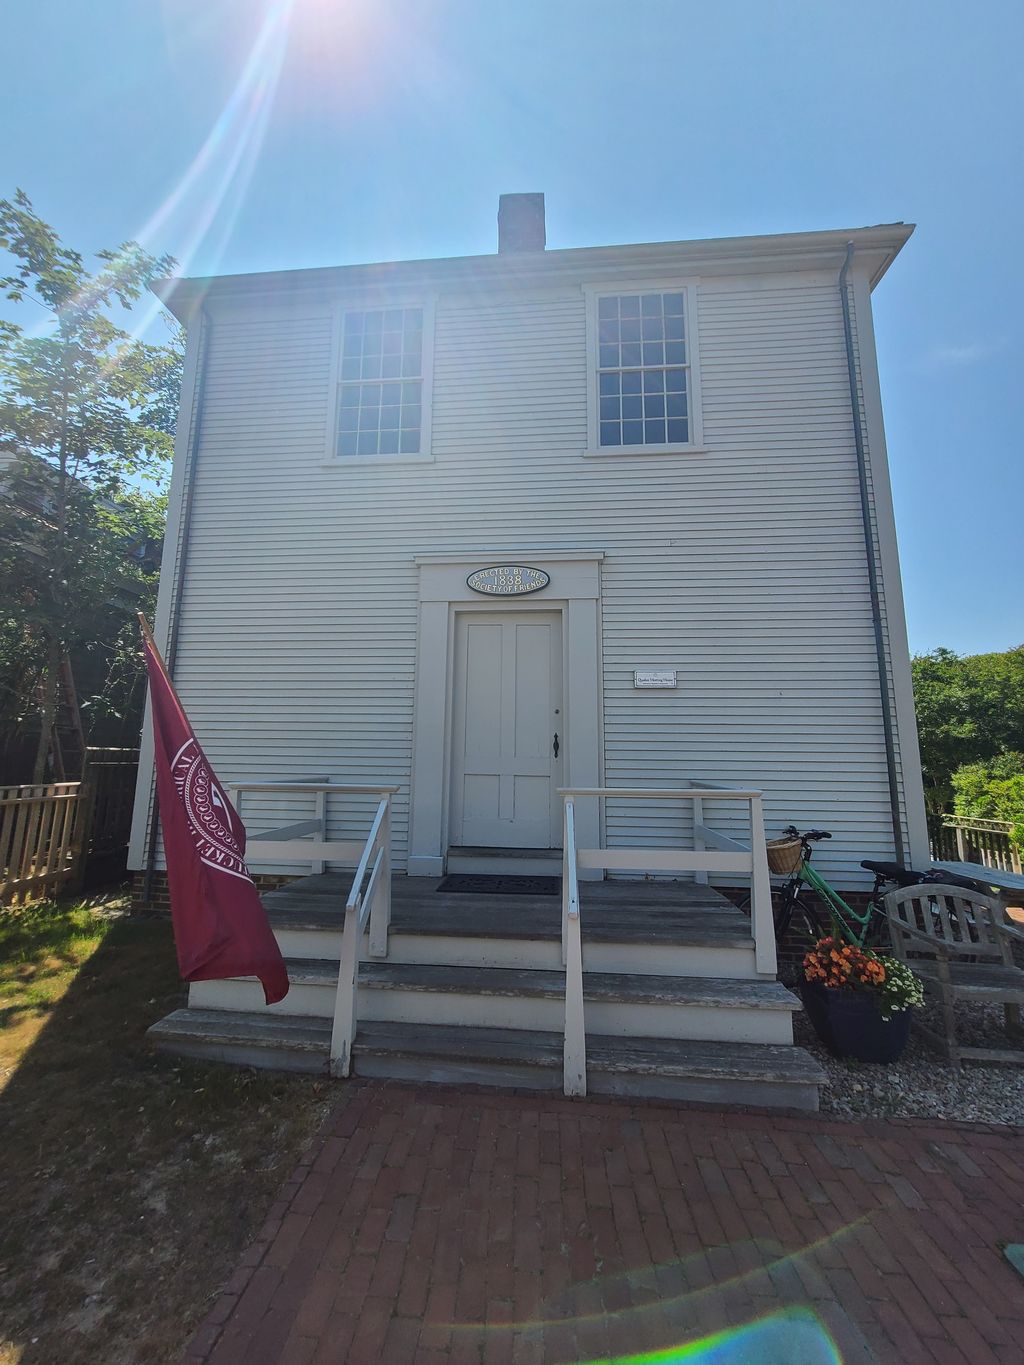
448	951
704	1023
696	1022
643	959
736	961
309	943
430	949
312	1001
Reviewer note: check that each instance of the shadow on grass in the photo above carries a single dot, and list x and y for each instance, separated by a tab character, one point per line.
129	1181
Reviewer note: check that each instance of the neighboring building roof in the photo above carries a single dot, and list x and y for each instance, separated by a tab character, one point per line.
716	255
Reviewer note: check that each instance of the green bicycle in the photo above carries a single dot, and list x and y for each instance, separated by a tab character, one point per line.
796	909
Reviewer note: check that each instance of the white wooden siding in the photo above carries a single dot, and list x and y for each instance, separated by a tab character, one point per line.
742	568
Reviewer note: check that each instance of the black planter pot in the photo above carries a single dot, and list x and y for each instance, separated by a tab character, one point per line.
850	1024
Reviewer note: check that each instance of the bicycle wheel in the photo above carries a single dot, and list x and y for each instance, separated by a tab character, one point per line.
876	933
804	923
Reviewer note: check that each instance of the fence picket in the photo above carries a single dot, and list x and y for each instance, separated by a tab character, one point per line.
36	844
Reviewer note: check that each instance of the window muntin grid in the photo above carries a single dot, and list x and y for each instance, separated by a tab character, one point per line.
642	370
381	391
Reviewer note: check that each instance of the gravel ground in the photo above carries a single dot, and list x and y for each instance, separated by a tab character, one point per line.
921	1084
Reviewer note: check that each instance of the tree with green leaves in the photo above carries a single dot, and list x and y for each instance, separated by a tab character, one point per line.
86	425
970	711
992	789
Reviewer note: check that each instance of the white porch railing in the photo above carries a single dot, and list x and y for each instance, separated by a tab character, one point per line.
725	855
369	897
304	841
370	902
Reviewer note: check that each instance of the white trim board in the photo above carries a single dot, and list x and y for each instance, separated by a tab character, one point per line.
574	591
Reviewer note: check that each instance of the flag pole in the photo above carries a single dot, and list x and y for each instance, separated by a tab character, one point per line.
147	636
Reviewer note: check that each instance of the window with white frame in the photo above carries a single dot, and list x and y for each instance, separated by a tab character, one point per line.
644	380
380	399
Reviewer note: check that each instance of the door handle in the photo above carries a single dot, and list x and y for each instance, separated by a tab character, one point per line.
555	745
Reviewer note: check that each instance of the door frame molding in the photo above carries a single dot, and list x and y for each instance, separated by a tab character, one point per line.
575	591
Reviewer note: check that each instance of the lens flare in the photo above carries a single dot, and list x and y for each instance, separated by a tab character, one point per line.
793	1336
213	188
685	1299
202	208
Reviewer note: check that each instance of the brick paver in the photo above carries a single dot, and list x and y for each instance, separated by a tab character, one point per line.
469	1226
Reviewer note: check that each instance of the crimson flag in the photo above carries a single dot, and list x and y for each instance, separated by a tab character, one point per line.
220	927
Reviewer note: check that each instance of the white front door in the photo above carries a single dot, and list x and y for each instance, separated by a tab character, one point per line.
508	733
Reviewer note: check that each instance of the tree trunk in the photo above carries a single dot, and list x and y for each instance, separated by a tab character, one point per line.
47	710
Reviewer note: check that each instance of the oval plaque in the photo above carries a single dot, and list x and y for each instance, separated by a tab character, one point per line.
508	580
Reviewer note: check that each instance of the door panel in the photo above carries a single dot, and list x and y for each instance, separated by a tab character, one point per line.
507	710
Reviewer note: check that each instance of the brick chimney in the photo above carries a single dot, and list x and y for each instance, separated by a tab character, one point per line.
521	223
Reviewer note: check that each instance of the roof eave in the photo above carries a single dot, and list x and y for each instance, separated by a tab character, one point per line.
778	251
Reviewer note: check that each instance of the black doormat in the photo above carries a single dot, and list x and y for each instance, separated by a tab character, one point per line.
494	884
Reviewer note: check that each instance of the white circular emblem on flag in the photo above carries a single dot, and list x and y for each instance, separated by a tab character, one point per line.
207	811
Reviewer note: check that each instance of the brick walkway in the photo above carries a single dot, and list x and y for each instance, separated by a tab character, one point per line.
433	1225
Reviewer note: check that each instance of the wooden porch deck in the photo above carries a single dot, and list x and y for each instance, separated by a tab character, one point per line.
610	911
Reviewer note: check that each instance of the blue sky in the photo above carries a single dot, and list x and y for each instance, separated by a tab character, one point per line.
260	134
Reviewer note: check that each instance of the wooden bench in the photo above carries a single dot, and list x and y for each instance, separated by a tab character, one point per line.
963	950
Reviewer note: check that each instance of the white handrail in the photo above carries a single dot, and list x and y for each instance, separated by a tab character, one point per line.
675	793
352	788
574	1051
726	855
305	841
373	903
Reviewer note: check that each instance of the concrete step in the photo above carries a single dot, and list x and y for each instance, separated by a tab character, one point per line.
709	1072
616	1002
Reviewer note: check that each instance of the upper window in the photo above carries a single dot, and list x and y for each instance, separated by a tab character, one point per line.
380	403
644	378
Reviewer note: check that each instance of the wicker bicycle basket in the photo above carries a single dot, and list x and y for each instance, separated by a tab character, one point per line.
783	856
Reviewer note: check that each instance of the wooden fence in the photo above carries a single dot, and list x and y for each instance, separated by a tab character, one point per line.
40	840
58	836
975	841
110	776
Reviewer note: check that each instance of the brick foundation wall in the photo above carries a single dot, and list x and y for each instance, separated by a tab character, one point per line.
791	949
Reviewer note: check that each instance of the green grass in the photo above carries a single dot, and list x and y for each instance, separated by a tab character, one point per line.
41	949
130	1182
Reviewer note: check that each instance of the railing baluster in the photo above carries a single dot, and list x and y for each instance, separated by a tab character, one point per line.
380	911
343	1032
701	878
761	918
320	816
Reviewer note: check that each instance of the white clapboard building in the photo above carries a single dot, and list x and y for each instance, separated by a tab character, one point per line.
577	563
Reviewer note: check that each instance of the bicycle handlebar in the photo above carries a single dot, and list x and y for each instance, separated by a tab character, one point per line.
811	835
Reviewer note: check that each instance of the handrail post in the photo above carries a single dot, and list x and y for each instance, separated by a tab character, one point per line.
574	1051
761	917
320	815
566	821
701	878
380	911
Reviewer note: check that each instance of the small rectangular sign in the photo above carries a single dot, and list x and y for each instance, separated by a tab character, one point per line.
655	677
